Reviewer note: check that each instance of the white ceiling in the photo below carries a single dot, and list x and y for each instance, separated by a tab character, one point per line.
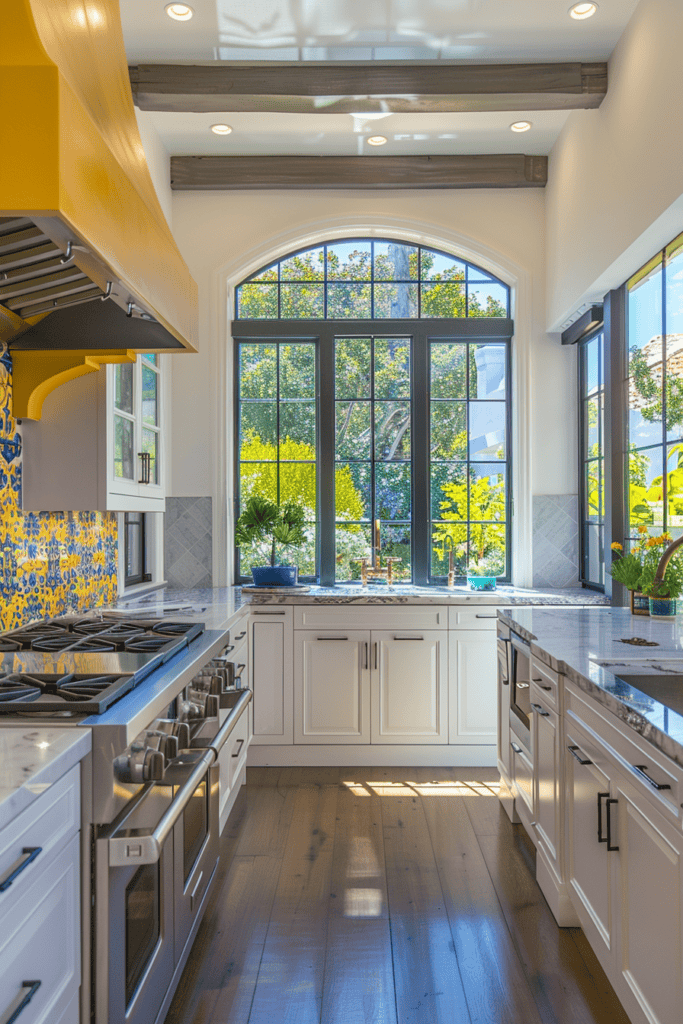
462	31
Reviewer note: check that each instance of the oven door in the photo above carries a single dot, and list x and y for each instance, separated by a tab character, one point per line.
195	843
134	925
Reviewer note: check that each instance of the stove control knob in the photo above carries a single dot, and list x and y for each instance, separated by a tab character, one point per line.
171	727
165	742
145	765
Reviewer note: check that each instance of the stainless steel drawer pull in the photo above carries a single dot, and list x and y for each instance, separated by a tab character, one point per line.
408	638
582	760
539	710
32	987
240	744
517	750
640	769
30	853
268	613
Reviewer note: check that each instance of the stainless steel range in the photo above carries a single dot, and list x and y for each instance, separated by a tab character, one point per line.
161	699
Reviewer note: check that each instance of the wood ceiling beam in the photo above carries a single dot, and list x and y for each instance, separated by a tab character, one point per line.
344	88
213	173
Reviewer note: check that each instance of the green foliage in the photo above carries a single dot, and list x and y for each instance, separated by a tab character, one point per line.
486	540
672	585
263	520
627	571
649	387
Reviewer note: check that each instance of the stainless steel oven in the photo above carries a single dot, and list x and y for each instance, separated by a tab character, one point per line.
520	696
154	866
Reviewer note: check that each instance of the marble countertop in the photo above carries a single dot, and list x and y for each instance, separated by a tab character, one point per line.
216	607
32	760
404	593
585	645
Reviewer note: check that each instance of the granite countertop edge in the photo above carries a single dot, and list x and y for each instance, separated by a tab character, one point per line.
29	769
598	684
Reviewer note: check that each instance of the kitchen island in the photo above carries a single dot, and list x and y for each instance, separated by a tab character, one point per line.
590	753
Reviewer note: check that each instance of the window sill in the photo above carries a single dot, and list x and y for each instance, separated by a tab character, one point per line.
138	589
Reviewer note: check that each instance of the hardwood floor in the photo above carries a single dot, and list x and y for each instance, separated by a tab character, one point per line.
383	896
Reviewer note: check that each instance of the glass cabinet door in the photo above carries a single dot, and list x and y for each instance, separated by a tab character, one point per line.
124	421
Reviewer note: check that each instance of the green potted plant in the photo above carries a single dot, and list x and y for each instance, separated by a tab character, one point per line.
627	569
264	521
662	595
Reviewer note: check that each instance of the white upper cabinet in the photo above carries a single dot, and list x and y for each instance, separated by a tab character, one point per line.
100	444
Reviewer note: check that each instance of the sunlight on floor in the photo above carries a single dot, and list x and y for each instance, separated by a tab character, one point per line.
362	903
447	787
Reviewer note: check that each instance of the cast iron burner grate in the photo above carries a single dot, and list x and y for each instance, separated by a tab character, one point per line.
54	693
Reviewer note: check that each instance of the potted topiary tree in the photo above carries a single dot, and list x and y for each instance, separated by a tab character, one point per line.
263	520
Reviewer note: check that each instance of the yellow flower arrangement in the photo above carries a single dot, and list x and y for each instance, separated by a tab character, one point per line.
616	546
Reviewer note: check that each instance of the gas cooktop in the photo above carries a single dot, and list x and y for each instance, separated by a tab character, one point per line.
69	694
74	666
71	633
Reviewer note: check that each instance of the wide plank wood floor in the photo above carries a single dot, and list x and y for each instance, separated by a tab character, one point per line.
383	896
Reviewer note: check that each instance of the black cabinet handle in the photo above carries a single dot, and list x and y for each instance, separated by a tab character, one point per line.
240	635
608	804
146	459
332	638
367	654
581	760
486	616
30	852
640	769
541	683
601	797
517	750
539	710
408	638
240	744
376	653
32	987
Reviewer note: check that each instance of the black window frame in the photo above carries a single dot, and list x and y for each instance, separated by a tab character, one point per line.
128	526
476	330
584	578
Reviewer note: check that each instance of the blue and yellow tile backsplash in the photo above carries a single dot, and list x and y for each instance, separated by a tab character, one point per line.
50	562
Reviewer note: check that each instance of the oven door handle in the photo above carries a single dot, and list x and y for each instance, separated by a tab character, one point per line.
142	847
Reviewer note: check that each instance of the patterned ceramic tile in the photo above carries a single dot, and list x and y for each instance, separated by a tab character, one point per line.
555	540
188	547
50	562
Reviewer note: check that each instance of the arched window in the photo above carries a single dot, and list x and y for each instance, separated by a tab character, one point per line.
370	279
373	387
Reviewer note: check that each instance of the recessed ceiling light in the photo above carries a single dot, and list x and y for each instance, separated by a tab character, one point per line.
179	12
580	11
521	126
376	140
221	129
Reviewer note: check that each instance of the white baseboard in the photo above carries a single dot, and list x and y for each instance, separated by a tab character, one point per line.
318	755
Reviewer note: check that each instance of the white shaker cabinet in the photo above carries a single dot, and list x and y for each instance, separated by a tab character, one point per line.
332	686
409	687
272	678
100	443
473	667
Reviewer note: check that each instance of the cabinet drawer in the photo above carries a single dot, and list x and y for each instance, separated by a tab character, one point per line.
483	617
546	680
44	826
635	756
237	747
523	775
42	942
368	616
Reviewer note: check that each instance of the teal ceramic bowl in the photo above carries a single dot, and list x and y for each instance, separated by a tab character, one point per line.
481	582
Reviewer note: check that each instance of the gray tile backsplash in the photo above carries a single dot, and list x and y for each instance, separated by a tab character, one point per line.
188	542
555	540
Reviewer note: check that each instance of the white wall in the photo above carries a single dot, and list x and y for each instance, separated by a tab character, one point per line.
615	180
225	236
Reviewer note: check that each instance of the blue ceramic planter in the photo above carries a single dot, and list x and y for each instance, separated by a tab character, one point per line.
481	582
275	575
663	607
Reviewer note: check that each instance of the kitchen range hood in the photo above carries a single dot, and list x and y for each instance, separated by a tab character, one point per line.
87	260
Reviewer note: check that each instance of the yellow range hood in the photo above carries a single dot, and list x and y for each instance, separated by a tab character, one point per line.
87	261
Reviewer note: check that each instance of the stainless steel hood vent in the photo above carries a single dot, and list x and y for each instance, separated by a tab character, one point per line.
37	277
